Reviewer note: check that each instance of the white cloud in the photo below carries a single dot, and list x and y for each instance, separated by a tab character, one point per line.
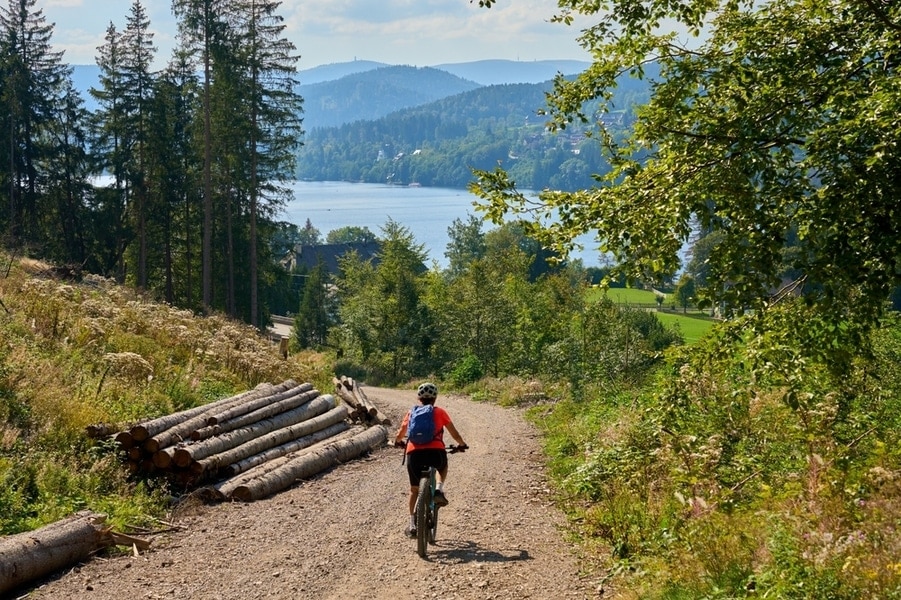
418	32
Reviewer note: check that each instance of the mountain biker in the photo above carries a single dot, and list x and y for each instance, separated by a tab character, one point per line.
431	454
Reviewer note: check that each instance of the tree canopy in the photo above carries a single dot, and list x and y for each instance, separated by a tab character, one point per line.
776	122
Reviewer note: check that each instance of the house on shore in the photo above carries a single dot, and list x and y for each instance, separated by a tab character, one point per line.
306	257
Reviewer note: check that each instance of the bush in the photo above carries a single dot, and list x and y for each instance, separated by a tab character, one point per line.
468	370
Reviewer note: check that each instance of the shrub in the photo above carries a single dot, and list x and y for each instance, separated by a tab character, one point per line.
468	370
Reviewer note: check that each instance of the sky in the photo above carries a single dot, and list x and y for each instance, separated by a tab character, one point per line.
402	32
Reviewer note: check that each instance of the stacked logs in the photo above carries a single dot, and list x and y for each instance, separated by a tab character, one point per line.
251	435
362	409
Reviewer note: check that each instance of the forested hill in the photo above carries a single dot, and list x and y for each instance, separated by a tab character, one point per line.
439	143
372	94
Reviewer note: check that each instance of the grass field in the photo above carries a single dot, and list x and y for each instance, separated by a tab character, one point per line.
693	325
624	295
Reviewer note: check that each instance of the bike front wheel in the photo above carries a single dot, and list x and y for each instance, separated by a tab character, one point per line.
433	529
423	529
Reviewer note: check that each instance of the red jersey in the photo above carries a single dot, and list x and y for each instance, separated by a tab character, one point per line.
441	419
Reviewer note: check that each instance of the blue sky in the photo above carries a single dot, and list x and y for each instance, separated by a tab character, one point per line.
409	32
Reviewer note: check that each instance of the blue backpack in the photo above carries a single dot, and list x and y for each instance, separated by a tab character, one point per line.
421	426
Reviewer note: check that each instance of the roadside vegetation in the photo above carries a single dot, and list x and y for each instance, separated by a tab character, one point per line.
92	352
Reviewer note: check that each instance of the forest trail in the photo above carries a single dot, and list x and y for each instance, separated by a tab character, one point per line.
340	535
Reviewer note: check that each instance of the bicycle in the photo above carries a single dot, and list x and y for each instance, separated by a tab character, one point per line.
426	513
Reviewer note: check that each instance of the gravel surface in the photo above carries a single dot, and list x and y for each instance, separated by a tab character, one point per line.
340	535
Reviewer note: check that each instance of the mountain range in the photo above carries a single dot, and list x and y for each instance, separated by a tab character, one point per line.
362	90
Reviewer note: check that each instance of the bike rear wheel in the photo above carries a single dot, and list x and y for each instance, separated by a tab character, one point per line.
423	504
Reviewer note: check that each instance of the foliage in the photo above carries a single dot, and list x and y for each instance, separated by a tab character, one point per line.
384	323
468	370
712	486
777	123
73	355
350	235
316	312
685	291
758	465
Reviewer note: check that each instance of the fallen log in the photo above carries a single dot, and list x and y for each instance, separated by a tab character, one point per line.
223	490
100	430
374	413
356	412
282	450
311	464
27	556
190	453
146	429
280	403
275	436
182	431
248	407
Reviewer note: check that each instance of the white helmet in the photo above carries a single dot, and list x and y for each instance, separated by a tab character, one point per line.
427	391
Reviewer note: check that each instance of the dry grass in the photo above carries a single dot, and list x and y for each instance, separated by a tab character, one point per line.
75	354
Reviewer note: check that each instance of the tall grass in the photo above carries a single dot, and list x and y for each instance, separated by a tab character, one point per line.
72	355
701	482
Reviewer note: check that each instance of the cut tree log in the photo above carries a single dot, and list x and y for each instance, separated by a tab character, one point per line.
28	556
182	430
249	407
190	453
374	413
223	490
146	429
310	464
277	404
275	436
281	450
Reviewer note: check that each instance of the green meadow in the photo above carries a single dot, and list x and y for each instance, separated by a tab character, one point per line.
693	324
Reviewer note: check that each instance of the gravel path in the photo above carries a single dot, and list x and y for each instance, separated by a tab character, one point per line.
340	535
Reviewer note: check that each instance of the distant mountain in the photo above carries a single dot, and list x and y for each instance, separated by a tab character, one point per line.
364	90
335	71
493	72
369	95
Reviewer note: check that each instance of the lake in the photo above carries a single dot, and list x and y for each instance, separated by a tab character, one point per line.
427	212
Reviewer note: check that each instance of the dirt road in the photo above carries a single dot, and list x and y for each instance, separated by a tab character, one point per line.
341	535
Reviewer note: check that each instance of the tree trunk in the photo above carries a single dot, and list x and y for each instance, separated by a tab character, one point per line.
28	556
254	444
264	408
311	464
242	466
223	490
190	453
147	429
182	431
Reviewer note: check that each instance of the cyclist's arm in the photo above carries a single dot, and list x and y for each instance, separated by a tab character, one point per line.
454	433
402	432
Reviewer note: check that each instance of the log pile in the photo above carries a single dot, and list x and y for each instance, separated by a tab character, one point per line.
244	447
263	432
362	409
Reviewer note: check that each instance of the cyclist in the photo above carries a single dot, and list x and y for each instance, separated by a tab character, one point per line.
431	454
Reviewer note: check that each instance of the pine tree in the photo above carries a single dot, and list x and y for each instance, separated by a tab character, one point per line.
34	77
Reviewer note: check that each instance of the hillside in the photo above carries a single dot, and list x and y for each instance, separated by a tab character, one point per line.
371	94
439	143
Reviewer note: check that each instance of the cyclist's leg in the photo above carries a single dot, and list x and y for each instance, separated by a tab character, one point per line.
415	464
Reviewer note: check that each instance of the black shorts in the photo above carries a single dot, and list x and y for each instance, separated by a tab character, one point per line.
420	460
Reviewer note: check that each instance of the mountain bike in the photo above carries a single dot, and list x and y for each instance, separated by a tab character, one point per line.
426	514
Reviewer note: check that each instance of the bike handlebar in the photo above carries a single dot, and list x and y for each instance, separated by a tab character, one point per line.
453	448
